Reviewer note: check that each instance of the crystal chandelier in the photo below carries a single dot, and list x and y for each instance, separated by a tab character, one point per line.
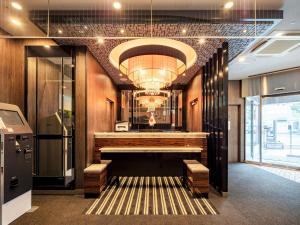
152	68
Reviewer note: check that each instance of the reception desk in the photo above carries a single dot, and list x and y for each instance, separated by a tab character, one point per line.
150	154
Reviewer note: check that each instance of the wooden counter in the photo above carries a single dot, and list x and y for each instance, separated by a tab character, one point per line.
150	154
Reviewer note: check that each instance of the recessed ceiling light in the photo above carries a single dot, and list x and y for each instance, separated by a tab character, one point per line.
117	5
15	21
242	59
201	41
122	31
16	5
244	31
183	74
47	46
183	31
59	31
120	74
228	5
100	40
85	27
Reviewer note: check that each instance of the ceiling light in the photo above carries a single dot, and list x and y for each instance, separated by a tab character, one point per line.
16	21
279	34
152	71
244	31
184	31
228	5
85	27
183	74
47	46
120	74
117	5
242	59
122	31
162	72
16	5
59	31
100	40
201	41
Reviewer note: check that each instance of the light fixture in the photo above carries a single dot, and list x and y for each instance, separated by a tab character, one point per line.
244	31
152	67
120	74
15	21
59	31
279	34
122	31
46	46
183	31
117	5
183	74
201	41
100	40
242	59
85	27
16	5
228	5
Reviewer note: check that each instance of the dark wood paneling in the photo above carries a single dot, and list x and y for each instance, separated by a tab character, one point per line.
215	116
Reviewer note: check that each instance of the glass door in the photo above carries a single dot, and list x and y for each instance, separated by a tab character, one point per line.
252	128
50	112
281	130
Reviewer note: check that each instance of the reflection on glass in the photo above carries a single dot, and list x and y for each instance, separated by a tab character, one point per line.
49	102
50	158
252	128
281	130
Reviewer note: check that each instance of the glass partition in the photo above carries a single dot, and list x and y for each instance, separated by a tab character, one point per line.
252	128
159	111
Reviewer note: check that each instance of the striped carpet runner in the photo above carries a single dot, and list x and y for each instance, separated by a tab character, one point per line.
149	196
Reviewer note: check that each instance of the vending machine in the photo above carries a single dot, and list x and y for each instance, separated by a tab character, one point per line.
16	163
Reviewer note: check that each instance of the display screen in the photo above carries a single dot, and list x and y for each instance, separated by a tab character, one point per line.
10	118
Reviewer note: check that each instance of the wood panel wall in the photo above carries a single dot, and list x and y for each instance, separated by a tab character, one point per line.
80	115
194	113
101	102
12	69
235	99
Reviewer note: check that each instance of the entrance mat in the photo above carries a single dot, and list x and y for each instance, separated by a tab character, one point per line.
150	196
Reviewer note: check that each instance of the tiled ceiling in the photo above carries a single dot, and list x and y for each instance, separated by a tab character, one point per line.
75	25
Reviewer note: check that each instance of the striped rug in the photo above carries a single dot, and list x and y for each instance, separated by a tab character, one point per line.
150	196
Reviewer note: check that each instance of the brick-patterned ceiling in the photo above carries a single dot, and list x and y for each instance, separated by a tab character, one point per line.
134	28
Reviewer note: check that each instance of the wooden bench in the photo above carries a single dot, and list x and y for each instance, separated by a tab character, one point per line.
95	179
198	179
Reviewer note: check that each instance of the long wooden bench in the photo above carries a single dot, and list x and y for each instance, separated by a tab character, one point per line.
95	179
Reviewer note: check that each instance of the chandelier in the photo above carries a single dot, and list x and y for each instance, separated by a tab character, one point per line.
152	67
